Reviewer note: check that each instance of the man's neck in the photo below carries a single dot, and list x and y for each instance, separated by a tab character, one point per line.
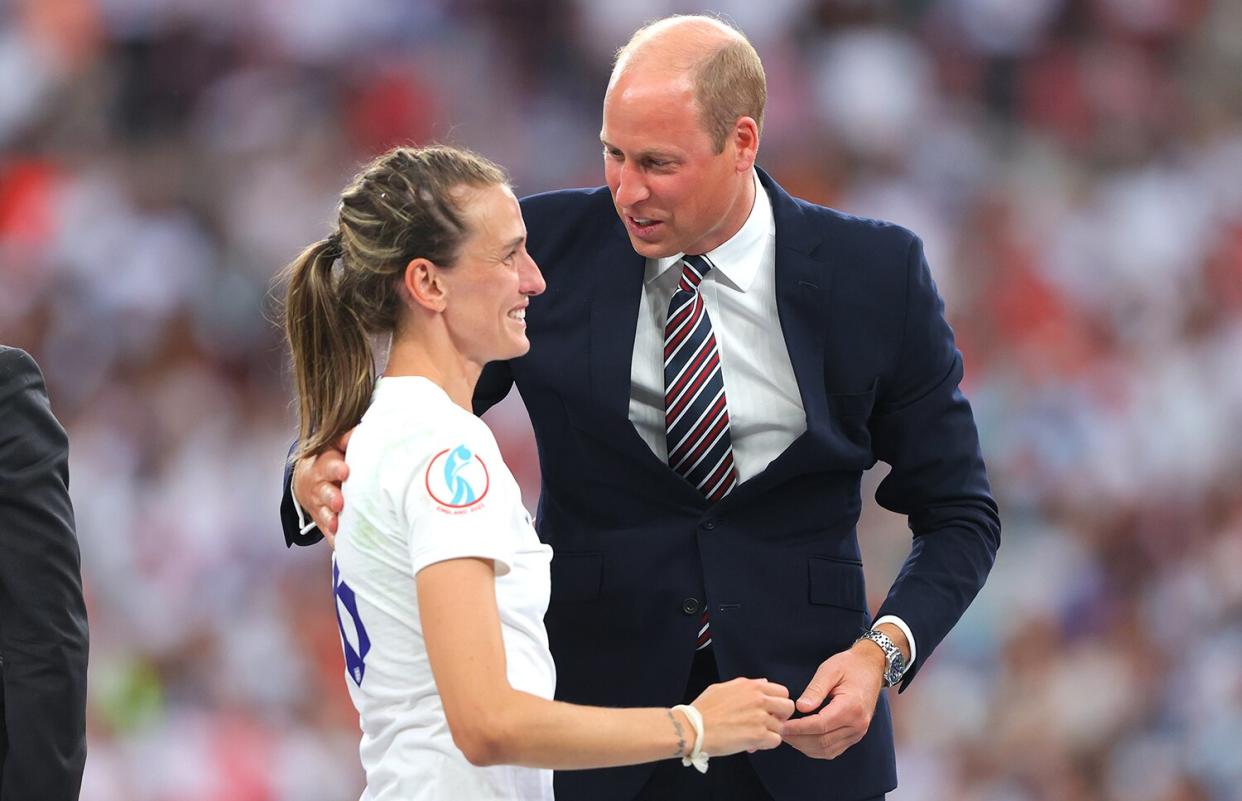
737	216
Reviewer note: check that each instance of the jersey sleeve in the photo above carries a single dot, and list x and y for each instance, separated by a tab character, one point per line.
453	506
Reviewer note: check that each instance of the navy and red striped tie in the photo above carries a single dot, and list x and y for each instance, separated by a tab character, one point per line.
696	411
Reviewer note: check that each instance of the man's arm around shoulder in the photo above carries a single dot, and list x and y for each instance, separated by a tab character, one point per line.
312	501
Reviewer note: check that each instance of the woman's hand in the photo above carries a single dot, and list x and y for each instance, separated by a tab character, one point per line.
742	715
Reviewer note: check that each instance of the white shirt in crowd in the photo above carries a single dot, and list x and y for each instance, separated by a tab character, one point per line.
427	484
765	408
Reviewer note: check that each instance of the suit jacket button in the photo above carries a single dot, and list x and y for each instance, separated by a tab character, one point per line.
709	524
690	606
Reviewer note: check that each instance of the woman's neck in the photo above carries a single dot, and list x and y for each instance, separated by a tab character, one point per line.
436	359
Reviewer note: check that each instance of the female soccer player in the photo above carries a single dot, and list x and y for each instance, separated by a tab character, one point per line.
440	581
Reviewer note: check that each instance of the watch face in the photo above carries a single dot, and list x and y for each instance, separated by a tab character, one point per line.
896	668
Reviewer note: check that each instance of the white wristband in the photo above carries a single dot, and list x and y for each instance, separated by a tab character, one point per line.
697	757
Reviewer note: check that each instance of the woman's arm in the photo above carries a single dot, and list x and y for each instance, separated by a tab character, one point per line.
492	723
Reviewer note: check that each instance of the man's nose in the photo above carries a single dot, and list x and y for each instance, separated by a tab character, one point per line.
631	187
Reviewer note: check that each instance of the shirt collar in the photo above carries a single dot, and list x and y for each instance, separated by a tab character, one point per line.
737	260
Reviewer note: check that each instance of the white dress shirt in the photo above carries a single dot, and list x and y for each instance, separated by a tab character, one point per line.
765	408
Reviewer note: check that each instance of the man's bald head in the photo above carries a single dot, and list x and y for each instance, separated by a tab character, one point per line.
721	65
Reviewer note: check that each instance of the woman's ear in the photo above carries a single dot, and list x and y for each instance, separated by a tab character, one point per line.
424	282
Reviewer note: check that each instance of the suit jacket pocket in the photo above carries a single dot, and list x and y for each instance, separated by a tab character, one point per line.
576	576
837	582
853	405
850	413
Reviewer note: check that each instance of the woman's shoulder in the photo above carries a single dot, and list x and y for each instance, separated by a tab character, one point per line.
404	432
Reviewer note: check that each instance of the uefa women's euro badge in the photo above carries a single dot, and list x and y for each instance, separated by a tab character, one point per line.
457	480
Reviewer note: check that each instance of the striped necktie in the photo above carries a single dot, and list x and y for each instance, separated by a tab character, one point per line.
696	411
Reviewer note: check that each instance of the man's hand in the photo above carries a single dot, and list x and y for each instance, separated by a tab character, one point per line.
851	681
317	483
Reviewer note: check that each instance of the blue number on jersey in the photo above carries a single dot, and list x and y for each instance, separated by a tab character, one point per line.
354	658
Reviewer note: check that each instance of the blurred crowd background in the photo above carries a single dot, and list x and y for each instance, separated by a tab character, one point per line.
1074	166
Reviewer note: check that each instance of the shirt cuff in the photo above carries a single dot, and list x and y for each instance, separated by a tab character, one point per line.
303	526
901	624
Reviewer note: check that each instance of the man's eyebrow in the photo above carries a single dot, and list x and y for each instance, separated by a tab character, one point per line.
647	154
512	243
658	155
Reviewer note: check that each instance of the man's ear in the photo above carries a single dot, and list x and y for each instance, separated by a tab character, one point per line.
423	281
745	137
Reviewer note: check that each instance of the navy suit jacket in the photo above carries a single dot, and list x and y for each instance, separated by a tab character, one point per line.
638	551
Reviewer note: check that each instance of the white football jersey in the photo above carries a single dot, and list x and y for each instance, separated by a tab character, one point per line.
426	484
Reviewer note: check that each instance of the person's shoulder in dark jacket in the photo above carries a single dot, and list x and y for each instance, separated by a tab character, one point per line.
43	635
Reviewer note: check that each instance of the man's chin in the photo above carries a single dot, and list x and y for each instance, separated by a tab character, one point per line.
651	250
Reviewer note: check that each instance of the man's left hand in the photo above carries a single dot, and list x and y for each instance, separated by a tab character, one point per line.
851	682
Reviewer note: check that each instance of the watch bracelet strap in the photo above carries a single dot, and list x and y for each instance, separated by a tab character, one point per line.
892	654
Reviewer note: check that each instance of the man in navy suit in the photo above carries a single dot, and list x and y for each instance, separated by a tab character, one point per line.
713	366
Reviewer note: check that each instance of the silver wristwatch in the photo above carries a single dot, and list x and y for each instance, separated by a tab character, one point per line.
894	662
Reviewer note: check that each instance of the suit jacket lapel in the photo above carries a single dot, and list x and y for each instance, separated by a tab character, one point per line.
803	285
802	289
619	272
614	318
